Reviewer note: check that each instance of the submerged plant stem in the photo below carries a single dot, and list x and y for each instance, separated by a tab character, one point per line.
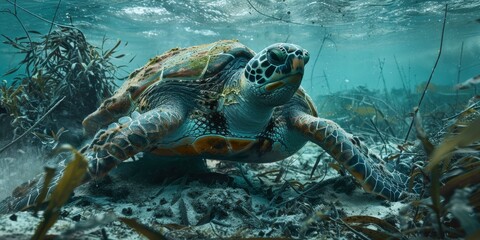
431	74
38	16
33	126
459	69
325	37
51	26
275	18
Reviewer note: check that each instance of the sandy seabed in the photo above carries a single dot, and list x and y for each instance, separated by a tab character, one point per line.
225	200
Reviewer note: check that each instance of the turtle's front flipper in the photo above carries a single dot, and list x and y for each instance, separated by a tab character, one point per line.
342	147
117	144
107	150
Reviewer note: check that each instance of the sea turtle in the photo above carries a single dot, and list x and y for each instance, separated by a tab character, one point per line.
220	101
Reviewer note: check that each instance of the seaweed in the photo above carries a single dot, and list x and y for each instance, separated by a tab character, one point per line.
33	126
142	229
384	229
452	172
60	64
49	174
421	134
72	177
468	135
63	63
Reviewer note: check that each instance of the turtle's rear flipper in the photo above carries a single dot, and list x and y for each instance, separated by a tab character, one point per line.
22	197
28	195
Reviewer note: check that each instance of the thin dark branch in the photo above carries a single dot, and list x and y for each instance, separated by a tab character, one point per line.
33	126
15	14
431	73
319	157
51	26
382	76
357	233
276	18
401	73
54	16
380	135
325	38
459	70
40	17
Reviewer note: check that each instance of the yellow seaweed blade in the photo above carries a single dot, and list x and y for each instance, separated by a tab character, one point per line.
365	110
142	229
373	234
72	177
49	174
468	135
461	181
371	220
421	134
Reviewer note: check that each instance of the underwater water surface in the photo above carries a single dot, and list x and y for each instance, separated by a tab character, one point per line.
352	43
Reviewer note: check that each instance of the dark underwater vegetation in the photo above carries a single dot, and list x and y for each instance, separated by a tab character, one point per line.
412	102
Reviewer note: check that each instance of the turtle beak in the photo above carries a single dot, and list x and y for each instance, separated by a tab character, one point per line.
296	78
297	65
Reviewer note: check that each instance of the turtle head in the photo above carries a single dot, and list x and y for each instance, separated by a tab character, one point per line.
275	73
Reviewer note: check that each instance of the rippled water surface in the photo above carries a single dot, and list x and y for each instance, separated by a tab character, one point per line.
359	34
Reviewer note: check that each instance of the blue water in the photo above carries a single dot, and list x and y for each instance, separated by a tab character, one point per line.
360	34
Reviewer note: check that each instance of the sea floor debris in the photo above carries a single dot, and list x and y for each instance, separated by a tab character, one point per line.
304	196
216	204
282	200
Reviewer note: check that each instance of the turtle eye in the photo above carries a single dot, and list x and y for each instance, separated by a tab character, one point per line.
275	56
